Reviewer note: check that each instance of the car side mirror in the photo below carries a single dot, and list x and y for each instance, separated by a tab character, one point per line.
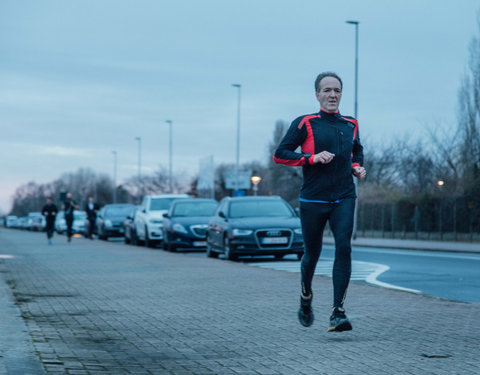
297	211
222	214
144	210
129	218
166	214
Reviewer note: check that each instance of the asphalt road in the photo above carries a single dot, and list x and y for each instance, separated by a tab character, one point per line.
446	275
452	276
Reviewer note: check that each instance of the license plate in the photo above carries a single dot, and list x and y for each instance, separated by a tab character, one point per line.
200	243
274	240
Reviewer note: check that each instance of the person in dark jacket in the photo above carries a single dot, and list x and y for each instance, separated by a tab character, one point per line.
69	206
49	211
331	154
91	208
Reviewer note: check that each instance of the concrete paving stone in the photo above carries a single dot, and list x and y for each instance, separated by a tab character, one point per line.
134	310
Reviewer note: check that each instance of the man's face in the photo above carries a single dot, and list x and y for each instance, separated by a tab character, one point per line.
90	200
330	94
49	201
69	196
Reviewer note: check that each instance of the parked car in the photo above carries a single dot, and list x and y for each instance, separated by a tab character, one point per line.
60	223
129	231
29	223
78	225
110	220
10	221
254	226
186	222
149	221
38	223
24	222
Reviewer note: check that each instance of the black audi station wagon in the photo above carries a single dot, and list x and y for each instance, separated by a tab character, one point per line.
257	225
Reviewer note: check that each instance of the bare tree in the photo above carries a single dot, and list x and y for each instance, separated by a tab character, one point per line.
469	116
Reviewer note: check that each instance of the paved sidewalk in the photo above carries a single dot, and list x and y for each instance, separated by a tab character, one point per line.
93	307
458	247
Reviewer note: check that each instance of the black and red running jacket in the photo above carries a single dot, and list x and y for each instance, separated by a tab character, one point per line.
319	132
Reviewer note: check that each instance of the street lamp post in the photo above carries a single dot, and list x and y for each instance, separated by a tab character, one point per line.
169	122
237	162
355	219
114	176
255	181
356	65
139	139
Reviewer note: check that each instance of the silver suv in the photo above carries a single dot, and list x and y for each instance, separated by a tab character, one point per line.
149	219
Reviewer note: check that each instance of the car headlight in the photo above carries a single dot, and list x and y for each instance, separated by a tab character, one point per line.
241	232
179	228
155	221
298	230
108	223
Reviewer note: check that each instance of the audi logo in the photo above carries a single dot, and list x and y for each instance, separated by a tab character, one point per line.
274	233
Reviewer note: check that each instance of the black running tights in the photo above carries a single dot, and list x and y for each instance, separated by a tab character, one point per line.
314	217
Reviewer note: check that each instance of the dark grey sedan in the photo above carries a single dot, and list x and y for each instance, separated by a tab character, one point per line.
264	225
185	224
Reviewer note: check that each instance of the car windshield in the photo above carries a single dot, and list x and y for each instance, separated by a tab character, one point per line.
158	204
118	211
79	215
259	208
194	209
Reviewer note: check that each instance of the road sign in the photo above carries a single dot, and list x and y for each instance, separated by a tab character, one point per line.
243	180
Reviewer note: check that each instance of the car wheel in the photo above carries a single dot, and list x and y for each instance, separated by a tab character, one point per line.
148	241
229	253
102	234
164	241
133	238
210	252
171	247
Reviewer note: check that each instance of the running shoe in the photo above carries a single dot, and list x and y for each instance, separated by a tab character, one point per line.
305	313
339	321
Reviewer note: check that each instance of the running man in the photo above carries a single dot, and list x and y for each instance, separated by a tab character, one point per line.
91	208
330	154
69	206
50	212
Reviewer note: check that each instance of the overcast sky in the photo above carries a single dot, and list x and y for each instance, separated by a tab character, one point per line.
79	79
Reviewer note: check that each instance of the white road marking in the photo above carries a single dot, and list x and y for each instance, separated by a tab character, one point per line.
6	256
361	271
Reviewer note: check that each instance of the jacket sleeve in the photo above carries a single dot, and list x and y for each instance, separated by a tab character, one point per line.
357	153
285	153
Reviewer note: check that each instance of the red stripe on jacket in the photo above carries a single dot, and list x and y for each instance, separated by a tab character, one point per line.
308	145
355	129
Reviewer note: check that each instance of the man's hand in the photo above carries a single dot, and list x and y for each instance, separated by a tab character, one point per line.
323	157
359	172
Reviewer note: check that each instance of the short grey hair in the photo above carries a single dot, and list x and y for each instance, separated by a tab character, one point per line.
326	74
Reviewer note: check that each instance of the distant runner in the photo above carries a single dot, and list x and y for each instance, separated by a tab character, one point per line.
50	212
330	154
69	206
91	208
